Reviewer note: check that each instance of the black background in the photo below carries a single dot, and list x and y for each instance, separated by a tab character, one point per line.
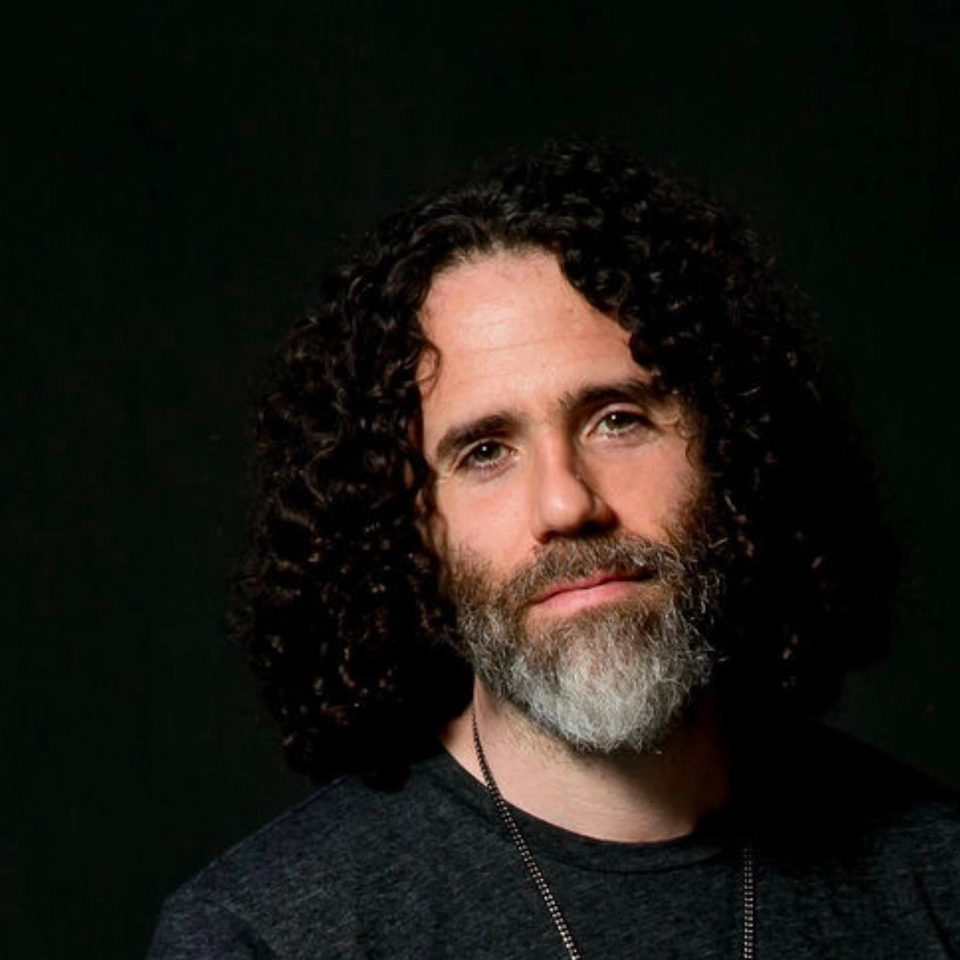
174	173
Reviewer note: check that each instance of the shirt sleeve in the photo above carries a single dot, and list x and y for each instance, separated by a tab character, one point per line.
190	929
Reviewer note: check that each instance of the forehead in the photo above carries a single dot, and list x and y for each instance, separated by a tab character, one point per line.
509	330
503	300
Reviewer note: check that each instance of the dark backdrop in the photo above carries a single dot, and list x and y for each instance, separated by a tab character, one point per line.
173	174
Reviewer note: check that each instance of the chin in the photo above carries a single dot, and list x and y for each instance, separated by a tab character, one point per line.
620	677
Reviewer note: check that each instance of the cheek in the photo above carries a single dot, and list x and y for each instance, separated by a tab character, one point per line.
648	496
488	524
680	485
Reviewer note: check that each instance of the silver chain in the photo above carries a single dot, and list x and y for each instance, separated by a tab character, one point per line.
749	901
748	866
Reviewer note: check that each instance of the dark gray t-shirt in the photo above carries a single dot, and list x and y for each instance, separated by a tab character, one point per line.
856	858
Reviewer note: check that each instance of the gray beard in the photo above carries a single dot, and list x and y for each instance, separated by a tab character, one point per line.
617	676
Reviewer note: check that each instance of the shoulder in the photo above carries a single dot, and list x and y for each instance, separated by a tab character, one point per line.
856	851
821	792
298	883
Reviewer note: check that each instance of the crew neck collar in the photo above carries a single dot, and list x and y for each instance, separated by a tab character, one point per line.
716	833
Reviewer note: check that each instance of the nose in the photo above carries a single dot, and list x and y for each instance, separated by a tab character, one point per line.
564	501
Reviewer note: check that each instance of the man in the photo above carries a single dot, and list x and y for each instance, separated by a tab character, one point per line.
561	543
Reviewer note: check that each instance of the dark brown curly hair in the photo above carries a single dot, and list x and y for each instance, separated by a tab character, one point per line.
337	599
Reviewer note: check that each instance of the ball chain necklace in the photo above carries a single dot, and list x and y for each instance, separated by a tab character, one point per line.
748	871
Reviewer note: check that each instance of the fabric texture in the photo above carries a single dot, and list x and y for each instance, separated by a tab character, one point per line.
857	857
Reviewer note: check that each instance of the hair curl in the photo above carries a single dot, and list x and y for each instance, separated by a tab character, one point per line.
337	599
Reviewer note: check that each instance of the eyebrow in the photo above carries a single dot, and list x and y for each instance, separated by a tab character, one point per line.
633	389
497	424
461	436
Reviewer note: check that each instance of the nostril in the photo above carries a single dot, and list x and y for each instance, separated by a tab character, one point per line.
594	528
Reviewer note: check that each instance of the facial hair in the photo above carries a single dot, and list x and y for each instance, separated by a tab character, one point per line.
616	676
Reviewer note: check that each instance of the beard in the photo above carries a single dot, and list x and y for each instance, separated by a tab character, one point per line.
618	675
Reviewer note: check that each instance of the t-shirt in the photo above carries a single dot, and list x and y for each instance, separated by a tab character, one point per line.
856	857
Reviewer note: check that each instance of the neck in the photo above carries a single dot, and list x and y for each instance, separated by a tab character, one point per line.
625	797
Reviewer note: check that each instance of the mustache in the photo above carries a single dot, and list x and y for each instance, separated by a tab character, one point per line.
623	556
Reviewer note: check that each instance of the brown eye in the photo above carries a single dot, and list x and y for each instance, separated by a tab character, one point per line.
484	455
620	421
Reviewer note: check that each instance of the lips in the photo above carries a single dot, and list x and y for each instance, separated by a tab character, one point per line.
588	583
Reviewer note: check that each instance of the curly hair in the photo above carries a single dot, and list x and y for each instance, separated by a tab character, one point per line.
338	601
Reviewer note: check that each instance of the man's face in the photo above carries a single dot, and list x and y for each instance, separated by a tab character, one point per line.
565	497
540	426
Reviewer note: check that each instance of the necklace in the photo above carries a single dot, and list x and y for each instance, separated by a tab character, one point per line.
747	865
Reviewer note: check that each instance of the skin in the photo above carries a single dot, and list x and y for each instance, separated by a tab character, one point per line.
539	425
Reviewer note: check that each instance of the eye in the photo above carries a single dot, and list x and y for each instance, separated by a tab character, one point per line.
485	455
616	423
